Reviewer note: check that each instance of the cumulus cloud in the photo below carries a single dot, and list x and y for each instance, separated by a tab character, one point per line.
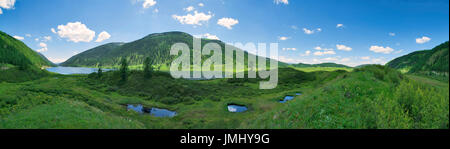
339	25
307	31
343	47
201	4
6	4
19	37
289	49
320	53
193	19
53	30
283	38
103	36
43	47
423	40
189	9
208	36
148	3
47	38
381	49
286	2
75	32
227	22
320	48
307	53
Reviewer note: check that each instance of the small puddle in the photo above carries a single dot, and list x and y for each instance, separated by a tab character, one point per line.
288	98
237	108
157	112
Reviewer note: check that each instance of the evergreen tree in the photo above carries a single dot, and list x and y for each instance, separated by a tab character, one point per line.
148	67
100	72
123	70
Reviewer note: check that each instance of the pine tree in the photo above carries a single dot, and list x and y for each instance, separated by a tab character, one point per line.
148	67
123	70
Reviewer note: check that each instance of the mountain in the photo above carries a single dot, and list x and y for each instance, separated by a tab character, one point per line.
15	52
301	65
426	61
156	46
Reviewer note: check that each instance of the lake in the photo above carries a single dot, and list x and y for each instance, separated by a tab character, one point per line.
74	70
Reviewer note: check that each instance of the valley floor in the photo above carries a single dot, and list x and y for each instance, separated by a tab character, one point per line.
364	98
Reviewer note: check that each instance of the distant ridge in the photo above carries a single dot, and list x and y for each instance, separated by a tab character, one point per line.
426	61
156	46
301	65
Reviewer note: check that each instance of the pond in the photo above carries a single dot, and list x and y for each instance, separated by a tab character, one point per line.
157	112
288	98
237	108
74	70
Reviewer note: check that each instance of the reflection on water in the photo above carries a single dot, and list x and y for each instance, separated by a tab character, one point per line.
74	70
152	111
236	108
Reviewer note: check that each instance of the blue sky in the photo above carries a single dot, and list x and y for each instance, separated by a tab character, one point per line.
351	32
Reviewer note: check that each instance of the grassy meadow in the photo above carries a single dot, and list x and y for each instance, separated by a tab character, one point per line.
368	97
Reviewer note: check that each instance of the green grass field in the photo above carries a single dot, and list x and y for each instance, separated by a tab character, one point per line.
364	98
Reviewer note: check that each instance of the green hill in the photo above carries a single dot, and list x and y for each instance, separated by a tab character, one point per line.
301	65
18	62
15	52
156	46
427	61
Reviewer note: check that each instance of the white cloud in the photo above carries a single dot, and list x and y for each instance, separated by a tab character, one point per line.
6	4
195	19
283	38
189	9
28	35
208	36
391	34
307	31
320	53
381	49
365	57
317	48
320	48
343	47
307	53
201	4
319	29
286	2
156	10
76	32
53	30
103	36
47	38
148	3
227	22
19	37
423	40
289	49
339	25
43	47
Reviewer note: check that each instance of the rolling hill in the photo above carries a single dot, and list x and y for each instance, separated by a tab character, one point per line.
156	46
426	61
15	52
301	65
